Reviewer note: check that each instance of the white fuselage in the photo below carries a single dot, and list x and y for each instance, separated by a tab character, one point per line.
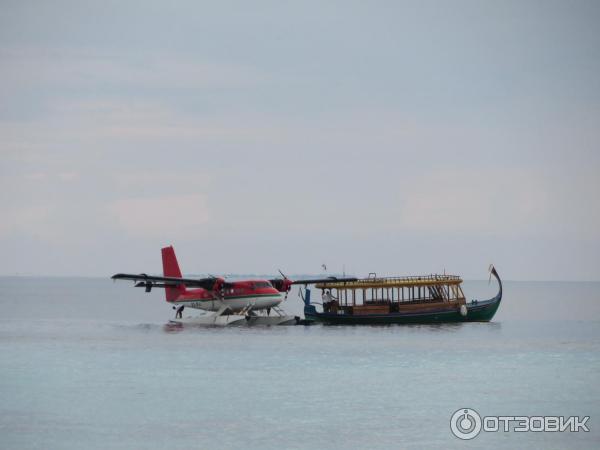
235	304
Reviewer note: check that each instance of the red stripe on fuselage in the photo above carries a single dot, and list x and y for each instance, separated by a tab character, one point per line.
247	288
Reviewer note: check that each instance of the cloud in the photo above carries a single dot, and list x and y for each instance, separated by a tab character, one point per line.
487	201
27	219
68	176
504	202
119	126
26	66
172	215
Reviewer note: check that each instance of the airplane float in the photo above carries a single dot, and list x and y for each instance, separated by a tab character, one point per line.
228	302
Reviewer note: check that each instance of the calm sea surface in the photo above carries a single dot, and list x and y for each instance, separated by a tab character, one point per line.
85	363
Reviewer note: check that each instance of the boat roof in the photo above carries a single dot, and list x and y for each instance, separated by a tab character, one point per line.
408	281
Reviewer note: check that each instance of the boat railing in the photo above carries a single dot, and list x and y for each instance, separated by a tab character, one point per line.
410	278
390	282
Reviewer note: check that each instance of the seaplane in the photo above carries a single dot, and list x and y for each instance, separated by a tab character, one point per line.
239	302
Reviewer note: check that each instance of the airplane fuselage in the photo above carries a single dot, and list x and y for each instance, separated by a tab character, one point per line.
239	295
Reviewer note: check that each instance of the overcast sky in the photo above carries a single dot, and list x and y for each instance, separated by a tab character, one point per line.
396	137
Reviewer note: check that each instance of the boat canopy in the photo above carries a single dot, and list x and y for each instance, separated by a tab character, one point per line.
390	282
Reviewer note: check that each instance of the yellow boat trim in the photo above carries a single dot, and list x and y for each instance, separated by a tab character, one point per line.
369	283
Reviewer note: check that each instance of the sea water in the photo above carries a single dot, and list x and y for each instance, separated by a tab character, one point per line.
87	363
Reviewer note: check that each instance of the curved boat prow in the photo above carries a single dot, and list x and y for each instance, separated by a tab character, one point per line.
484	310
493	272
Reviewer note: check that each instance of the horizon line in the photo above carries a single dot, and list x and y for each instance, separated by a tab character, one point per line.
108	277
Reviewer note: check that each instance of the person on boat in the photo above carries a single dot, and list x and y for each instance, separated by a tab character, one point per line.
326	297
328	300
179	314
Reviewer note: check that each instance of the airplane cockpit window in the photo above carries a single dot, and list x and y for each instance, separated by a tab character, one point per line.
263	284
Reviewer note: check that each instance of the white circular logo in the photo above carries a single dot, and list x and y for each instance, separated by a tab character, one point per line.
465	423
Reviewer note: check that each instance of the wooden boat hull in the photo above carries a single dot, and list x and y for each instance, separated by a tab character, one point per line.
477	311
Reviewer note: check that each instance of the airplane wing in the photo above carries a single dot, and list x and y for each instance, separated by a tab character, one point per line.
150	281
324	280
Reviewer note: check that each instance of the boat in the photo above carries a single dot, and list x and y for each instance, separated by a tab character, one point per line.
399	300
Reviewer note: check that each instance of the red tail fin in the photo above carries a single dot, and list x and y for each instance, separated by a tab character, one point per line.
171	269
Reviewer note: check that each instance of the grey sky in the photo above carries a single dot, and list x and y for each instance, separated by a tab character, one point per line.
397	137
